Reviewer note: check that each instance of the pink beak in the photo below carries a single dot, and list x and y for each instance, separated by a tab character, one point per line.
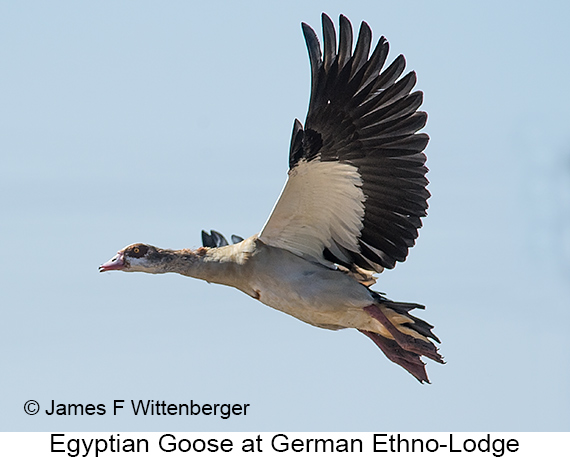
116	263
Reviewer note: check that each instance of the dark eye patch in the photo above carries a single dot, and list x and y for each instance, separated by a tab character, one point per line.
137	251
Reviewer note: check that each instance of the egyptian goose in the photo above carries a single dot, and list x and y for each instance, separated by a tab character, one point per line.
352	206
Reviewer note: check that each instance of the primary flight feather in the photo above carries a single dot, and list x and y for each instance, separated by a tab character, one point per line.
352	205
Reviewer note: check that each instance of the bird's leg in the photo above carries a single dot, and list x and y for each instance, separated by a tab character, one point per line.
410	361
407	342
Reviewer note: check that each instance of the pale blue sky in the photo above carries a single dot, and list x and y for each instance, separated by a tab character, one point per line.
124	121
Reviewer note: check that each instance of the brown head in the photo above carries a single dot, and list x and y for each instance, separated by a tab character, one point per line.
138	257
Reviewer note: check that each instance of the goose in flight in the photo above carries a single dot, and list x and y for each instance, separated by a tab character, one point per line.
352	205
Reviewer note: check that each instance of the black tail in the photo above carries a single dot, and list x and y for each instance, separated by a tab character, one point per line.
410	338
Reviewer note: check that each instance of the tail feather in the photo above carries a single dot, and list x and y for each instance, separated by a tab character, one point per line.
419	325
411	336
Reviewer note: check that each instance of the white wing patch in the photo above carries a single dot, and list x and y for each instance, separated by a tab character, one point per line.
321	204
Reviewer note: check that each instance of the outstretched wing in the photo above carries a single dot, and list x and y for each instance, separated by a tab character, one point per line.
356	188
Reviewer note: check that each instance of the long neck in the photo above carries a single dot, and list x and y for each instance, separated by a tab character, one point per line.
225	265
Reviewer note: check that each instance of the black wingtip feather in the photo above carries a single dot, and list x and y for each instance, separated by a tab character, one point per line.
377	60
315	57
213	239
236	239
329	39
296	148
362	49
345	42
207	240
391	74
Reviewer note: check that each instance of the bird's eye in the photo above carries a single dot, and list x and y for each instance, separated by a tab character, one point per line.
138	251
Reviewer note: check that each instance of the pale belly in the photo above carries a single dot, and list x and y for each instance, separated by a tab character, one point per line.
310	292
